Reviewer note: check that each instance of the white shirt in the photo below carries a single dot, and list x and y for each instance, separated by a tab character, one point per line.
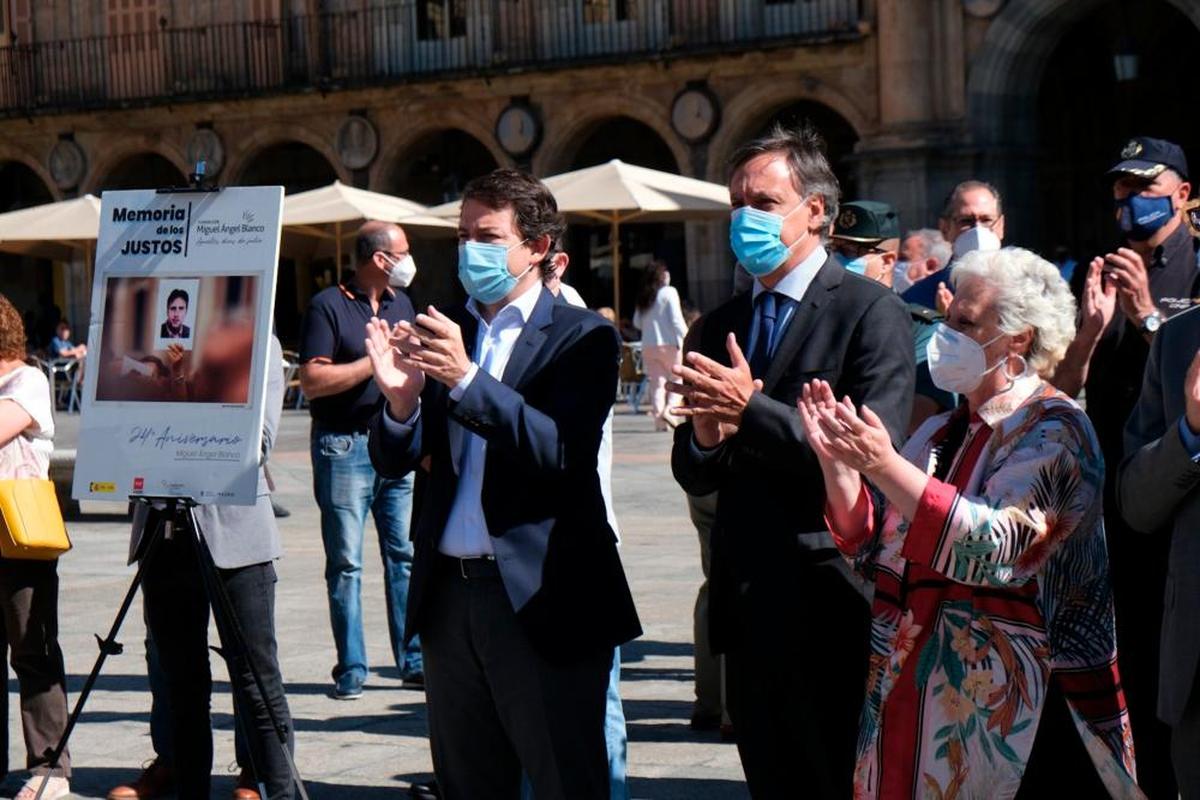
605	454
662	321
466	534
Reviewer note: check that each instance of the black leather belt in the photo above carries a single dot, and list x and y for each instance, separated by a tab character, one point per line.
469	568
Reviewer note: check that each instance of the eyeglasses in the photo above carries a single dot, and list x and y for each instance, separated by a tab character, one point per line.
855	249
393	256
971	220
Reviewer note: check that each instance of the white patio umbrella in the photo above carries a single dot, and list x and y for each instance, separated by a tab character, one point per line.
56	231
331	213
52	230
617	193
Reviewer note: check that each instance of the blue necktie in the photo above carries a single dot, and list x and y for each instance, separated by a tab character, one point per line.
764	340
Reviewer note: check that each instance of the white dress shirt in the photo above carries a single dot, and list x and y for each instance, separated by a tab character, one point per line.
466	534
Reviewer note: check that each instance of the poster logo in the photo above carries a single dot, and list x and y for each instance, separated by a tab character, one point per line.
139	483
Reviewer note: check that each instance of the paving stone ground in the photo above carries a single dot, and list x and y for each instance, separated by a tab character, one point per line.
374	747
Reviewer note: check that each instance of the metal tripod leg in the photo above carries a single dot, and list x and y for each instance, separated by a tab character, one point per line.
109	646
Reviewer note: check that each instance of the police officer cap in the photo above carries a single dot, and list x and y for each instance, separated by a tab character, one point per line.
866	221
1147	158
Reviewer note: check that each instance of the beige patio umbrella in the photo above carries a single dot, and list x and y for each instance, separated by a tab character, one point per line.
618	193
56	231
332	213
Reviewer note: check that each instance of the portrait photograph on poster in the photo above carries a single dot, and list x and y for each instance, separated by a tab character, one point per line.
177	340
177	312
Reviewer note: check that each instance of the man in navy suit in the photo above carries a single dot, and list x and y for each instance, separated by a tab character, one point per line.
517	590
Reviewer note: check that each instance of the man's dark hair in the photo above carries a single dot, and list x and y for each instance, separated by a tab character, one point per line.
371	240
177	293
966	186
804	149
535	211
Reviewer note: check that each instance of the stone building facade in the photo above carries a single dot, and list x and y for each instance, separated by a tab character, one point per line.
414	97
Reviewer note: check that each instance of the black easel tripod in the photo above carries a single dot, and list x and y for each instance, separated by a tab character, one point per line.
181	515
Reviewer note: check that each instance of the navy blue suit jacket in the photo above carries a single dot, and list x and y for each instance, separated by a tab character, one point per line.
541	495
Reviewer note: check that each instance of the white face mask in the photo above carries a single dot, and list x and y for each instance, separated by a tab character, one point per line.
401	273
977	238
957	362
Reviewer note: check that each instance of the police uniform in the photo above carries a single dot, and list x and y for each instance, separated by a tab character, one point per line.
869	222
1138	563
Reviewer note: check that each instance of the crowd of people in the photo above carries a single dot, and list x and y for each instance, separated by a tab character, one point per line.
945	505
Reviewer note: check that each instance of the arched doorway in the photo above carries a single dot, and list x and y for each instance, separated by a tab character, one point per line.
589	246
142	171
434	170
840	137
437	167
1085	113
297	168
30	282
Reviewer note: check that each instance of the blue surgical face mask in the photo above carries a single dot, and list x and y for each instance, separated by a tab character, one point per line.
483	270
1141	217
856	265
754	236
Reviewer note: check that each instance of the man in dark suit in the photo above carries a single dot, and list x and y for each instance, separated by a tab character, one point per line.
1159	491
785	608
517	590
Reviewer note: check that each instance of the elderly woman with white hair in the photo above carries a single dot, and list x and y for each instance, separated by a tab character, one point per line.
985	541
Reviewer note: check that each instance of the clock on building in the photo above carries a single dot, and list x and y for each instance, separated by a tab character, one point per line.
518	129
695	113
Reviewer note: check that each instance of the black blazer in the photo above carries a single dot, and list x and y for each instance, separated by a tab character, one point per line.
541	495
770	530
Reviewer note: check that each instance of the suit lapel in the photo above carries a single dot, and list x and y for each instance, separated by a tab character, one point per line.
808	311
530	340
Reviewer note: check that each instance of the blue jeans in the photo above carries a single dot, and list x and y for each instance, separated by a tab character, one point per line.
346	488
615	738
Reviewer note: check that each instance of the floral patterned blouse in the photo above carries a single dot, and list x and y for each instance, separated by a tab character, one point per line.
1000	579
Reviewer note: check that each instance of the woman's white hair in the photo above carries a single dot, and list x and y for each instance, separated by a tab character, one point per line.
1031	293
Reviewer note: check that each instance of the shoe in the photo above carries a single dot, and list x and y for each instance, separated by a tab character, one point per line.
703	723
413	680
156	780
246	788
425	791
728	734
56	788
280	511
348	687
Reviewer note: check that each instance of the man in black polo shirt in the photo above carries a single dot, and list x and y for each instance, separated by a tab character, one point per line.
336	376
1127	295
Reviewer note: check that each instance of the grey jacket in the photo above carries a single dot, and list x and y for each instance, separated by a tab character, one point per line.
1159	492
239	535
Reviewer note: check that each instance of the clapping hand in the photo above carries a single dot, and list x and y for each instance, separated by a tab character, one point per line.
712	389
860	442
1133	283
399	381
433	343
1099	301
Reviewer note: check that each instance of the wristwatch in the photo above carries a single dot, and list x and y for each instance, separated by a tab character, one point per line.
1151	322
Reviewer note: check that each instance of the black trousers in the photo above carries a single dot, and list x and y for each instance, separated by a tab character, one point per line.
29	630
178	610
1185	747
795	688
497	706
